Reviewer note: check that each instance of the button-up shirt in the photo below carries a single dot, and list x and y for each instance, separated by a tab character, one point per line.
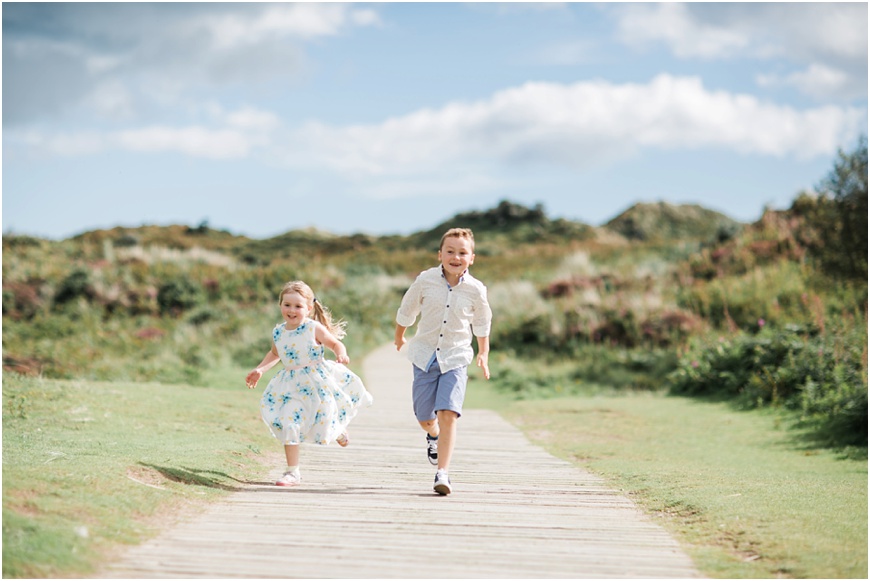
449	316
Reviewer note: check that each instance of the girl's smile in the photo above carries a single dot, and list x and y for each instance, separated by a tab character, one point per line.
294	309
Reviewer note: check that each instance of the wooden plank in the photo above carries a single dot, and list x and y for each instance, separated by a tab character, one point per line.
369	511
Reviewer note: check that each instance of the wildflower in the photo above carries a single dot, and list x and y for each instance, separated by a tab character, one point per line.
760	322
695	363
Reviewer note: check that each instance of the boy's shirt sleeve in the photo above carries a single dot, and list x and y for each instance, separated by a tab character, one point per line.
411	304
481	322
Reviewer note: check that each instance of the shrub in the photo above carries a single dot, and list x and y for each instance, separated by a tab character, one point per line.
823	376
76	284
179	295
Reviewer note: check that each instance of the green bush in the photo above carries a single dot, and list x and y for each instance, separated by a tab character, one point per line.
822	376
179	295
771	295
76	284
592	368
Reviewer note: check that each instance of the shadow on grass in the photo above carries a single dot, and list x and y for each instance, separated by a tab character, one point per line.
200	477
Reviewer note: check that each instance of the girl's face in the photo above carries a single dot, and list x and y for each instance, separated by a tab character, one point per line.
294	309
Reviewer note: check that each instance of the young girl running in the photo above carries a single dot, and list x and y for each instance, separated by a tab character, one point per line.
311	399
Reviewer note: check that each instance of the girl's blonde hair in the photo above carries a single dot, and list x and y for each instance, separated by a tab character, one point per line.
319	312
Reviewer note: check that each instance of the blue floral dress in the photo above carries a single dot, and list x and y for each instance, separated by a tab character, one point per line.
312	399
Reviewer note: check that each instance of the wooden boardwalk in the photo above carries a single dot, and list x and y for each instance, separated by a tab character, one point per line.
368	511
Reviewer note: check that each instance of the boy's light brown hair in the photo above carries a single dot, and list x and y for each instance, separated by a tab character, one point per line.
458	233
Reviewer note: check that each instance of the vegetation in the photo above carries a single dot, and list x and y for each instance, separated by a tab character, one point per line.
769	316
840	216
663	221
90	464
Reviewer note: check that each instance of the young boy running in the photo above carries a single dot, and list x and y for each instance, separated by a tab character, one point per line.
452	306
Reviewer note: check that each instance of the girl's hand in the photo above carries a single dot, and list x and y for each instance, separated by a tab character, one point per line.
324	337
483	363
341	353
252	378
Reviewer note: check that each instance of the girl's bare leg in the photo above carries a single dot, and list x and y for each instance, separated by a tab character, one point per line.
292	454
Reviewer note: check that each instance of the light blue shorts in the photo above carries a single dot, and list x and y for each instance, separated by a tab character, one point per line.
434	391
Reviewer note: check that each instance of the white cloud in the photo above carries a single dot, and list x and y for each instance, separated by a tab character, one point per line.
233	135
111	100
574	126
822	38
808	31
193	141
64	144
818	81
254	119
155	53
674	25
305	21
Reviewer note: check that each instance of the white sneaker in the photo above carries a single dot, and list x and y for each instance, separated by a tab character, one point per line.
432	451
442	483
289	479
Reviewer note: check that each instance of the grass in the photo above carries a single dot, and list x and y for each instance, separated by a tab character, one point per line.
740	490
91	465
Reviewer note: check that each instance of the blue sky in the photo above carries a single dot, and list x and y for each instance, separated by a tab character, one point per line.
392	117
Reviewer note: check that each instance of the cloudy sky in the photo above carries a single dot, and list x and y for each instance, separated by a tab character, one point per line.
391	117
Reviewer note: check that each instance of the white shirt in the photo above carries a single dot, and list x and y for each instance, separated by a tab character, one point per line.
448	318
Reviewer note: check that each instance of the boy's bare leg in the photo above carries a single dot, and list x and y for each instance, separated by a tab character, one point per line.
447	423
431	427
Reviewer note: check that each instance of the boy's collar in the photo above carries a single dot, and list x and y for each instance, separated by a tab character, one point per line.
461	276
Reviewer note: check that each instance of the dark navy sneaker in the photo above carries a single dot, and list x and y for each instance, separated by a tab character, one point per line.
442	483
432	450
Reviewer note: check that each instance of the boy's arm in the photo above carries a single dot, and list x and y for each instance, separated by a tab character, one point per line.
483	355
400	337
408	311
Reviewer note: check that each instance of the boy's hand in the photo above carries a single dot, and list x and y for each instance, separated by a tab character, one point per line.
252	378
483	363
399	341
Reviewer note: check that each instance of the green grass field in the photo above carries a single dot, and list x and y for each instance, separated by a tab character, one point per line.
92	466
742	492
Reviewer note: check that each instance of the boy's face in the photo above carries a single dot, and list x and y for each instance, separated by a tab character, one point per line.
456	255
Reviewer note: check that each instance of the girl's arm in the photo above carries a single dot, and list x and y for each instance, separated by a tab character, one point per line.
265	365
327	339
